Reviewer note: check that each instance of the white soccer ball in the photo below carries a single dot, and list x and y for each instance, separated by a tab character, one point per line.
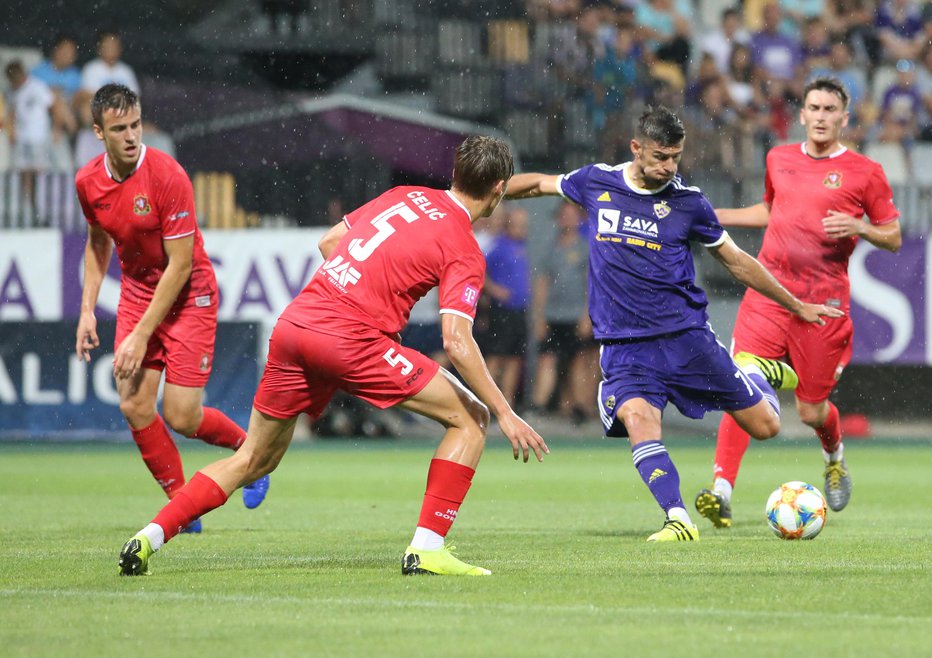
796	510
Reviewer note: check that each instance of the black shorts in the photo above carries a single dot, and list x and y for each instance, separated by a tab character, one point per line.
507	335
562	340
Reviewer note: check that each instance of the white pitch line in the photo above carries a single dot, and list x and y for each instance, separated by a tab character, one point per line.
587	609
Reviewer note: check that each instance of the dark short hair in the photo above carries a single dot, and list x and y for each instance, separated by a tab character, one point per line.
480	163
112	97
659	124
105	32
831	85
62	37
15	67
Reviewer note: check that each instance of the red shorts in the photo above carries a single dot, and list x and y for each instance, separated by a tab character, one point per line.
818	354
306	367
182	345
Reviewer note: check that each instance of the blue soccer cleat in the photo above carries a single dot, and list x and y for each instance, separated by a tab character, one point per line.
193	528
254	494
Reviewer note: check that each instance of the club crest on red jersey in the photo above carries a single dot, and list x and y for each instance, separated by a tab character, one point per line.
832	180
141	204
205	362
661	209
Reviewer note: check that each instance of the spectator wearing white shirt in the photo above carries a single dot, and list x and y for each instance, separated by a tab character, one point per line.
719	43
30	107
106	68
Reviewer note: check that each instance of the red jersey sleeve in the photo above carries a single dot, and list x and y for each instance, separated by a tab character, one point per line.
878	198
176	205
460	284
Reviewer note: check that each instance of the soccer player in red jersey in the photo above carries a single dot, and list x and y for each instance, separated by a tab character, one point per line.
341	333
141	200
816	197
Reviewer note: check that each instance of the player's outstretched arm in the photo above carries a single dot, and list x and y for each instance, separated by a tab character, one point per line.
464	354
756	216
97	254
748	270
526	186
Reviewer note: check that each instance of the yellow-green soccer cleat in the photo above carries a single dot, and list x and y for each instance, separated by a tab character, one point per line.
674	530
134	557
714	507
440	562
778	374
837	485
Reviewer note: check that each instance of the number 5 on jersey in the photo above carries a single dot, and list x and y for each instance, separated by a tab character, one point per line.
361	250
395	359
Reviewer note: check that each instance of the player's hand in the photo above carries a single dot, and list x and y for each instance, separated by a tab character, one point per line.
129	355
838	225
523	437
86	338
816	312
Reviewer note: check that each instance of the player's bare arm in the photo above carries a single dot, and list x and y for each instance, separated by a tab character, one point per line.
527	186
179	254
464	354
331	239
97	254
887	236
756	216
748	270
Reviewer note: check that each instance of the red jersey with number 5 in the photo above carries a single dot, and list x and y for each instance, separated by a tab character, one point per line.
152	204
399	245
801	190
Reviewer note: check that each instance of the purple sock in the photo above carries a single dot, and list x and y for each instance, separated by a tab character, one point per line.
658	472
766	390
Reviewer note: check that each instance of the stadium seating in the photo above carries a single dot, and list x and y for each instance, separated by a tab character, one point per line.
921	160
884	76
893	158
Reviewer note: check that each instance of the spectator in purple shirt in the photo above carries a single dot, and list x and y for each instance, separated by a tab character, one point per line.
901	107
899	25
774	52
508	284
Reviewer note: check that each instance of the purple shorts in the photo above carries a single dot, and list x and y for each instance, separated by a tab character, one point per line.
689	368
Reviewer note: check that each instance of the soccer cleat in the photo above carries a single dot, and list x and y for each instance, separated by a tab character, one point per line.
193	528
837	485
254	494
440	562
674	530
714	507
134	557
778	374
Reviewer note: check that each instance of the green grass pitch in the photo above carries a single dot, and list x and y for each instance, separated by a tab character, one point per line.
315	570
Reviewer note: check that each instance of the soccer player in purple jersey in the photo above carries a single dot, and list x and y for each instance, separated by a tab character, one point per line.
650	316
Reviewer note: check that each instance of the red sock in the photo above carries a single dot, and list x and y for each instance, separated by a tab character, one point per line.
195	499
729	449
161	456
447	484
830	432
218	430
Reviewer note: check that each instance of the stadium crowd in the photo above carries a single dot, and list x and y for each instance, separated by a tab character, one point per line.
736	86
740	82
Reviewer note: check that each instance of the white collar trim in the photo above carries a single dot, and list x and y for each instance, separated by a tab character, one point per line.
634	187
840	151
142	156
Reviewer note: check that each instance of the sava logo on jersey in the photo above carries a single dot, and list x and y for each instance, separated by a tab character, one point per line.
611	221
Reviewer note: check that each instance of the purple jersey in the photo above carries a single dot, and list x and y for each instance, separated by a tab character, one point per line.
641	271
